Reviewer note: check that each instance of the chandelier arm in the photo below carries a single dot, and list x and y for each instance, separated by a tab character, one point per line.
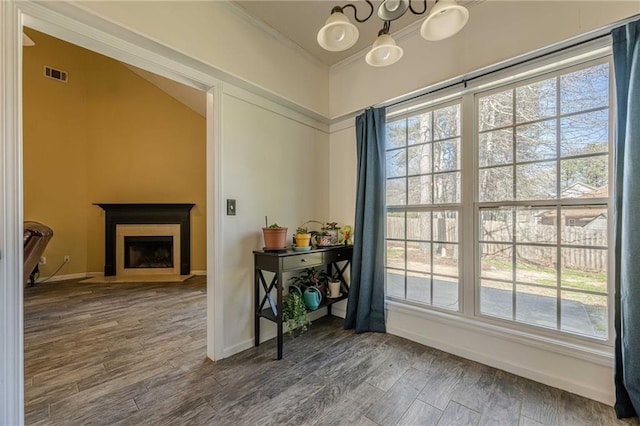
414	11
385	28
355	11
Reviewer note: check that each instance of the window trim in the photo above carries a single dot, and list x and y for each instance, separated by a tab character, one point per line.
452	100
468	284
557	202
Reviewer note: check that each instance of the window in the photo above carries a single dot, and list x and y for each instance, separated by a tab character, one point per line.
542	189
423	204
538	160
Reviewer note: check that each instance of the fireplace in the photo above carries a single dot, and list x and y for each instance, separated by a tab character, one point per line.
147	239
148	252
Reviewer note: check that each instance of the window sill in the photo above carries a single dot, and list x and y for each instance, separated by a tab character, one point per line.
599	354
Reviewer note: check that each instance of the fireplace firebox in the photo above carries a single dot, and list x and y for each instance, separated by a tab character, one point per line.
152	251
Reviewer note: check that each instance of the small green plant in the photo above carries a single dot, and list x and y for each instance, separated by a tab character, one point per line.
274	225
301	230
294	313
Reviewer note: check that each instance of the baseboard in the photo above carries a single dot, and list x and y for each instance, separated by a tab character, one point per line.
268	330
519	370
65	277
238	347
580	376
81	275
246	344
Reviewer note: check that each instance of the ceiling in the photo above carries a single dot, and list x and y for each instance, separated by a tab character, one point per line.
300	20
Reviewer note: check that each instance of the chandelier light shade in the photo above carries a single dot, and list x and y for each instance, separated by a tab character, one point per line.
384	52
391	10
444	19
338	33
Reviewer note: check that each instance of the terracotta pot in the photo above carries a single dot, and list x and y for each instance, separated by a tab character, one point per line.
302	240
275	238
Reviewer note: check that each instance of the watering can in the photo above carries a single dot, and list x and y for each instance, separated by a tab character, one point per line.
312	298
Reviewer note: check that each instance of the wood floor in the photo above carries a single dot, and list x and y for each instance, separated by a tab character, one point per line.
135	354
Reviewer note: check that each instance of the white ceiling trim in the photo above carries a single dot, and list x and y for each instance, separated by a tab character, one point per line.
271	32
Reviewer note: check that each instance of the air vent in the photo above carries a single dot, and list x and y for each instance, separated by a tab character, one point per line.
55	74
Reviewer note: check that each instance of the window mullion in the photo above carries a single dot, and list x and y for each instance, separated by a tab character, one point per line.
559	211
406	201
468	219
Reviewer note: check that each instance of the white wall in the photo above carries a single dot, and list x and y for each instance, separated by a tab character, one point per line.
342	172
274	164
496	31
216	34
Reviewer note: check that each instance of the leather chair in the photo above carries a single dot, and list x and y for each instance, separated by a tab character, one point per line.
36	238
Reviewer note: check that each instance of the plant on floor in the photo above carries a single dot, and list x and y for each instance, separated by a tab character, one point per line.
294	313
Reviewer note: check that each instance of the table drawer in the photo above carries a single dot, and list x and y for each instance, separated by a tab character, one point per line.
302	261
338	255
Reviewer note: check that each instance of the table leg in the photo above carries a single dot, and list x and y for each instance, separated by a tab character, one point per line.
256	302
279	317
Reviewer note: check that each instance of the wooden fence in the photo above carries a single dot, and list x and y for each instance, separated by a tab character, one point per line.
577	258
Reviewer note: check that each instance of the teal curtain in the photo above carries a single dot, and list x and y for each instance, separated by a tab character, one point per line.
626	60
365	307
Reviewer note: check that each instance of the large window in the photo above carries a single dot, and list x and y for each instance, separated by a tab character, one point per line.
543	158
539	200
423	203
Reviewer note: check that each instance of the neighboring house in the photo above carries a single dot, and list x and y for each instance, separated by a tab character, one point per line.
586	218
576	190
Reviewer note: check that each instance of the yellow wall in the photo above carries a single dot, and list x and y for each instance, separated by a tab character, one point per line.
106	135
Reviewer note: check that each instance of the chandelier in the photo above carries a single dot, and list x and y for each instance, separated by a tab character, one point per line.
444	19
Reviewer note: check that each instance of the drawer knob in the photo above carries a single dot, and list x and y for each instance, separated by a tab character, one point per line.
303	260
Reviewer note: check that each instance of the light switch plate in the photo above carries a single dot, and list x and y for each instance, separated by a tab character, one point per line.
231	207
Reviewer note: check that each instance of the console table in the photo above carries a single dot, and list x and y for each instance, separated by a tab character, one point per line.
283	261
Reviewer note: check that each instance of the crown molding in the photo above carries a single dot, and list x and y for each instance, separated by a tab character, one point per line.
271	32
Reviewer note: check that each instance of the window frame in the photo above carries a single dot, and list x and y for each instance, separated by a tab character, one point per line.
407	208
468	209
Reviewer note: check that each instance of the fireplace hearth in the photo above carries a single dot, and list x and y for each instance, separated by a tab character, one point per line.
147	239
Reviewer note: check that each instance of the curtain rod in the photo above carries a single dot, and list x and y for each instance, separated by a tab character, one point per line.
595	35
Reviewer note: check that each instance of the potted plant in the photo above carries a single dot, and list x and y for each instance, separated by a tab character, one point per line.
275	237
294	313
310	277
302	237
346	235
328	235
